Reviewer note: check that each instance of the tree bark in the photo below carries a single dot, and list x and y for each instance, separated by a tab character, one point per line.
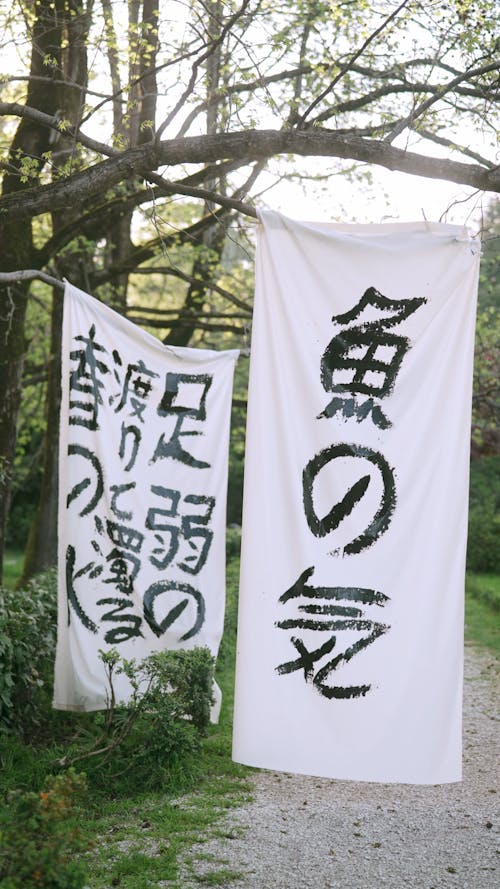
247	145
41	549
30	141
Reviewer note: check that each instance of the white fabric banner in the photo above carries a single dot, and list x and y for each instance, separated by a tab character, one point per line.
142	497
350	629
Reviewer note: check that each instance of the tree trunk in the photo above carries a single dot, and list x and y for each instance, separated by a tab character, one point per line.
30	141
41	550
13	300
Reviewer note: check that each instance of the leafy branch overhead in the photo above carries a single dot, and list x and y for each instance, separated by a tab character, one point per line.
244	146
366	78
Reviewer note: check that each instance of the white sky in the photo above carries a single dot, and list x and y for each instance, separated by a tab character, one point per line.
391	197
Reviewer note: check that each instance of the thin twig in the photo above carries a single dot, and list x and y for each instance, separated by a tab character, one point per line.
345	67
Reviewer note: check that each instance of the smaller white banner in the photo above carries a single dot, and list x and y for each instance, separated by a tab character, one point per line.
142	497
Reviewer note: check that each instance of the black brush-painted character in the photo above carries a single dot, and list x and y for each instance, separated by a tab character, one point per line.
134	433
321	526
124	559
324	615
184	398
123	568
181	523
365	358
129	624
85	383
96	484
72	575
182	595
136	388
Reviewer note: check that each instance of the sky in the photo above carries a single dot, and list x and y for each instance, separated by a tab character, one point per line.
390	197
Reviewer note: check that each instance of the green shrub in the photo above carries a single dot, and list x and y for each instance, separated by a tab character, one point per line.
485	482
158	728
483	546
28	628
485	588
38	839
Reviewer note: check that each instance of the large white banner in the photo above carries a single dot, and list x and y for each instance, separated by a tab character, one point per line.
142	497
350	630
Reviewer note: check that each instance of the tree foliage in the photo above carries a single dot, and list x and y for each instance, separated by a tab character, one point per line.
135	136
486	391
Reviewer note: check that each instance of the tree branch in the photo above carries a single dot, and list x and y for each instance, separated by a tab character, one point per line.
95	223
102	277
30	275
203	193
448	143
346	65
439	94
212	47
246	145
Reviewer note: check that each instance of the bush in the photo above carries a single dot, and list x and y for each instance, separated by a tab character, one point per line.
28	628
485	482
159	727
38	839
485	589
483	550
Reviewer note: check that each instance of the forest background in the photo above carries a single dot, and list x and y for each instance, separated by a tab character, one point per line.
137	139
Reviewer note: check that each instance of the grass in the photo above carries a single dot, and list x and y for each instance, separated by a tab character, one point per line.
486	588
144	841
147	838
136	841
482	611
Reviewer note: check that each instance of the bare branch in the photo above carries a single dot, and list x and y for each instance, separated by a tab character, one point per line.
30	275
212	47
440	92
346	65
202	193
53	122
102	277
174	323
448	143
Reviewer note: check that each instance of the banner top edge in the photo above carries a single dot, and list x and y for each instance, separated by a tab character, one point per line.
180	352
273	219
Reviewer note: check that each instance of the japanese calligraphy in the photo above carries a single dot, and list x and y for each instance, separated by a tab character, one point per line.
184	398
321	526
362	359
324	615
171	529
143	445
85	382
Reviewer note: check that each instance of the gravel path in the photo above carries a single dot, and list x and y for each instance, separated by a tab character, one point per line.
313	833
